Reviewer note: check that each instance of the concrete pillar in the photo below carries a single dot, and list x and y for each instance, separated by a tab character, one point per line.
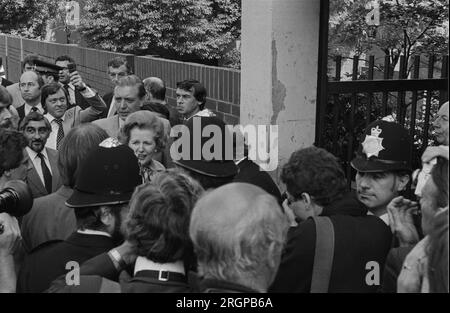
279	54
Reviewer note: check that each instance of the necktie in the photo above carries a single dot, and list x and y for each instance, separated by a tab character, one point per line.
60	135
46	173
34	109
67	88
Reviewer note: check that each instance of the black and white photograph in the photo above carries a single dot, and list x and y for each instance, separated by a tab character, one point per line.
230	154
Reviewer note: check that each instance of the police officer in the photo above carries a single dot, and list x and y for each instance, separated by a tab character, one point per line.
383	165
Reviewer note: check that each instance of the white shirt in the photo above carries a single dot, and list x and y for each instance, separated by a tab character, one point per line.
29	107
384	217
93	232
37	162
112	108
51	141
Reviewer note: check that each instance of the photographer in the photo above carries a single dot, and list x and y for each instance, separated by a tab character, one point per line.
11	168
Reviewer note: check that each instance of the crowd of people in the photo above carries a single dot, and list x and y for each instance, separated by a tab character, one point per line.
113	199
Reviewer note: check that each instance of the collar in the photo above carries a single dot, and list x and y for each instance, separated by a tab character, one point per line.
33	154
144	264
237	162
93	232
51	118
384	217
121	122
90	240
28	107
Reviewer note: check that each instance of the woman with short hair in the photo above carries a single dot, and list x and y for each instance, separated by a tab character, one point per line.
144	133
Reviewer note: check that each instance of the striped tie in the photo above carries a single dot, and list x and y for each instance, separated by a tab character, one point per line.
60	135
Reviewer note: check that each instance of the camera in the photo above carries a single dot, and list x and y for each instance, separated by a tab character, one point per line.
15	198
71	67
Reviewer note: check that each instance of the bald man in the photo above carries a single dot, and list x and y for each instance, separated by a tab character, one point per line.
238	231
156	93
30	85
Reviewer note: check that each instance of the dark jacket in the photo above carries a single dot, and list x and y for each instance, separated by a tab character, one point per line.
359	239
250	172
48	261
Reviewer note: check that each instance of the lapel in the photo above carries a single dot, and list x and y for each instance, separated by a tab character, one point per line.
53	159
33	180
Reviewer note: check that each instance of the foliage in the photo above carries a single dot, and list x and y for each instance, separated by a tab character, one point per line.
407	27
187	28
27	18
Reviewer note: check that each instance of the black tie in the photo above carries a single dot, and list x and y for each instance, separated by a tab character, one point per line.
34	109
60	135
70	104
46	173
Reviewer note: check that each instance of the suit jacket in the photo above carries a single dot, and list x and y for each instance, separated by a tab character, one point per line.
48	261
359	239
110	125
15	93
77	115
34	182
250	172
81	101
5	82
107	98
49	219
21	112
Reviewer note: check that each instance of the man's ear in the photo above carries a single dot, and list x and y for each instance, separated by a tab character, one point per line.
106	216
307	198
402	182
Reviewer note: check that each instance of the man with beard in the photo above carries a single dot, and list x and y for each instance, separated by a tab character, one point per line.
42	173
103	188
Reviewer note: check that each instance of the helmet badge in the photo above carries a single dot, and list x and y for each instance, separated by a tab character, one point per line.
372	144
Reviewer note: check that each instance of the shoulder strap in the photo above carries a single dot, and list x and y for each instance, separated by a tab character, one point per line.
324	253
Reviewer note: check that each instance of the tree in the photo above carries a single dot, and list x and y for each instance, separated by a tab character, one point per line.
407	27
27	18
174	28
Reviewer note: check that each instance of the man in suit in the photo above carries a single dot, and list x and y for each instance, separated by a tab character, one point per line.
129	94
50	218
79	93
43	174
14	89
103	188
56	102
118	67
30	87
